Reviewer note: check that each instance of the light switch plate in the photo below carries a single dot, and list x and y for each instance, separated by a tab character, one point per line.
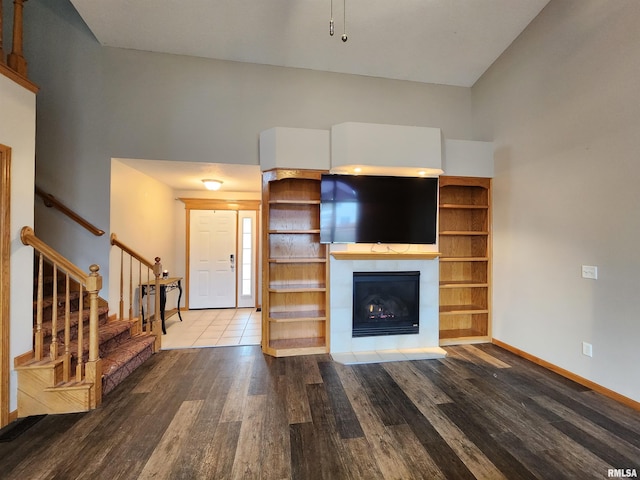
590	271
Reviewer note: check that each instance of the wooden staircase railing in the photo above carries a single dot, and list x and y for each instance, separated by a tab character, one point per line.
1	47
14	65
89	284
52	202
16	60
141	272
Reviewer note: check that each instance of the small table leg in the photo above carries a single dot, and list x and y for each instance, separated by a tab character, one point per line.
163	303
179	297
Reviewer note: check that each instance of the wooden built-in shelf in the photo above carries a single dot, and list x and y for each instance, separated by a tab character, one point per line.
462	284
298	288
463	336
463	233
384	255
464	259
297	346
287	232
298	260
294	202
456	309
465	243
295	293
291	317
460	206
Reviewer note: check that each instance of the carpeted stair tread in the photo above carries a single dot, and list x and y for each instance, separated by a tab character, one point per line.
118	356
119	363
110	334
47	326
48	302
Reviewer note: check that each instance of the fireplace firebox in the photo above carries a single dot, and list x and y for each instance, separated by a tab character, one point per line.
386	303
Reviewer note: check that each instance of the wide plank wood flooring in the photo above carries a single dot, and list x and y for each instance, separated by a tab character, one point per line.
234	413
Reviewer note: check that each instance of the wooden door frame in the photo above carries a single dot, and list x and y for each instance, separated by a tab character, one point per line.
5	279
215	204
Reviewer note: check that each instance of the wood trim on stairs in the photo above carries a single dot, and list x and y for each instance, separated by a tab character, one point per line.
19	79
23	358
5	279
571	376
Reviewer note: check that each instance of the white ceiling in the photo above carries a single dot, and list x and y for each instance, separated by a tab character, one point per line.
189	175
450	42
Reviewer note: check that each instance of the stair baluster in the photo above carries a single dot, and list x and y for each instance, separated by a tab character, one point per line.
128	292
80	337
39	334
16	60
66	364
53	347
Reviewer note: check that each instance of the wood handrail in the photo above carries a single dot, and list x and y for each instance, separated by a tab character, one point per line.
28	237
51	201
135	281
134	254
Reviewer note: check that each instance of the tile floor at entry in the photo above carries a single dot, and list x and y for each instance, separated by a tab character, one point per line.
213	328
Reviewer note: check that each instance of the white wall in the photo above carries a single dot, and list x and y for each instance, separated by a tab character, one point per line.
17	131
143	217
561	106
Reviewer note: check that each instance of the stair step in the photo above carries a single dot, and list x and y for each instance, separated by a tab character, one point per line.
47	326
36	398
70	385
110	335
39	364
48	301
123	360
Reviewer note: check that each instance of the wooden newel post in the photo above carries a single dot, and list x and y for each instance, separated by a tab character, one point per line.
93	368
156	326
16	60
1	49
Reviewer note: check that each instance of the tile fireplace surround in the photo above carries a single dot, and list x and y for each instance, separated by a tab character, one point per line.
348	350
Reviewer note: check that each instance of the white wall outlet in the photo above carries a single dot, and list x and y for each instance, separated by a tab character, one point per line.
587	349
590	271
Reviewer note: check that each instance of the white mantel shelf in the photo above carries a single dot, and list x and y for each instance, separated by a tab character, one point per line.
385	255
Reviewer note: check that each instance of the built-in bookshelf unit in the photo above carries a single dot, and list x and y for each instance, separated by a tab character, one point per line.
465	260
295	263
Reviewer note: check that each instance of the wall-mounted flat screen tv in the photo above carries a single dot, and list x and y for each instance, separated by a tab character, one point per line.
378	209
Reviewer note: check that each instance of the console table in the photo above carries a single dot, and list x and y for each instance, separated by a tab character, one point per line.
166	285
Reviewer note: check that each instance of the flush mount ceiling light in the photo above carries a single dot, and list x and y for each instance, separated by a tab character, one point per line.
212	184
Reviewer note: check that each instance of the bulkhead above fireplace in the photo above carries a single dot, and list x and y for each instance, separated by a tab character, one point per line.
386	303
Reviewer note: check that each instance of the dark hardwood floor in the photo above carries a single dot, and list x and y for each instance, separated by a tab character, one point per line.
234	413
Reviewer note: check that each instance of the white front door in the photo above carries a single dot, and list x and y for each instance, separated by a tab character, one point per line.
212	258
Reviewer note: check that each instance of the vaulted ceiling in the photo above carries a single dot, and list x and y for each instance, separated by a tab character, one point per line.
449	42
